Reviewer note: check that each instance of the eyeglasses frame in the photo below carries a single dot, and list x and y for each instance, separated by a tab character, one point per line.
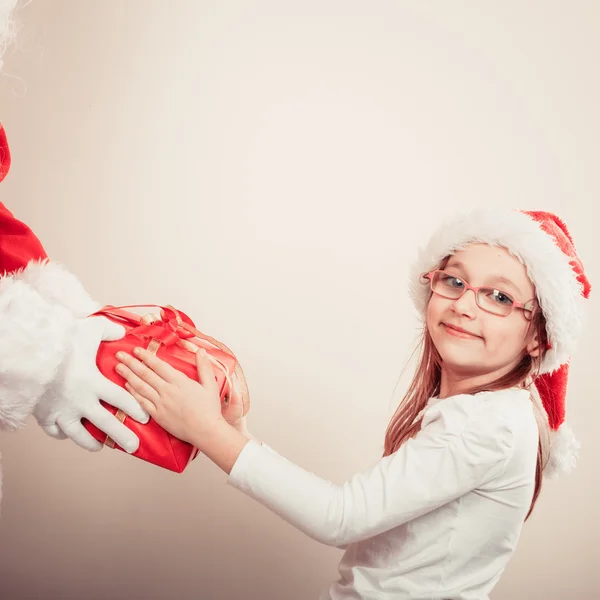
524	306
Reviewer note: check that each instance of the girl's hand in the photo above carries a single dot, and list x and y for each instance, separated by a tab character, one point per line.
185	408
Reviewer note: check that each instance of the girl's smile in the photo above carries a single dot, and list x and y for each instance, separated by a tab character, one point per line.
459	332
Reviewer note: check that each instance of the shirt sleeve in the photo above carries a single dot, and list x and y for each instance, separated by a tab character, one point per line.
459	448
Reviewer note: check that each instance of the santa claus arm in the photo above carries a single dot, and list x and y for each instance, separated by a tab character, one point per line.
48	346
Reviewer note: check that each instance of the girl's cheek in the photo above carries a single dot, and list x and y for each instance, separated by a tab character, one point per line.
432	310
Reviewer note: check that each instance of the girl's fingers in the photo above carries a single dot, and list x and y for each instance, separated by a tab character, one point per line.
206	375
142	371
161	368
136	383
146	404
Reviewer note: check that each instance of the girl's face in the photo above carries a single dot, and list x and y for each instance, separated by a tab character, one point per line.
492	345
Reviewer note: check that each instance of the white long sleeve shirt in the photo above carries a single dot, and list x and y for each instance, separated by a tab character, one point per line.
437	520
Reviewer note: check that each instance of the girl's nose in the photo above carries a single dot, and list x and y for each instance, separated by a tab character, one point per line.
466	305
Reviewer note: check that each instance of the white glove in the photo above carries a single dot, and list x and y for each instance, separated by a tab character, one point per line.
77	393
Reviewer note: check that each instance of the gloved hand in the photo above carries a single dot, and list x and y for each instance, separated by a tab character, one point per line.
77	392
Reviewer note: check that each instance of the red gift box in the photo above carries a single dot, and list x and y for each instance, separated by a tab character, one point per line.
173	337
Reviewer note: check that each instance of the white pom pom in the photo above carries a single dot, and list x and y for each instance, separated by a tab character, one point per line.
564	452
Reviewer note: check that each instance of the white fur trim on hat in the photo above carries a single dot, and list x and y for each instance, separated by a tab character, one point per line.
564	452
557	289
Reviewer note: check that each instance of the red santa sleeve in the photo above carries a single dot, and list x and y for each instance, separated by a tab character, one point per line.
23	257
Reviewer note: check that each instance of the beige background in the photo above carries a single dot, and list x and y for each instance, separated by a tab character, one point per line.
270	167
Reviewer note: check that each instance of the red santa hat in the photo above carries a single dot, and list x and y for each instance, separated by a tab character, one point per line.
543	244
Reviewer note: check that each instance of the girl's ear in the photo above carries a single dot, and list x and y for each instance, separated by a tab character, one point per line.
533	347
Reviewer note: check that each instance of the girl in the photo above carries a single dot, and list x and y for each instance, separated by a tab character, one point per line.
439	516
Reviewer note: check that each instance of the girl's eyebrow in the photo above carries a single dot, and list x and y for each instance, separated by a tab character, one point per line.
493	279
459	266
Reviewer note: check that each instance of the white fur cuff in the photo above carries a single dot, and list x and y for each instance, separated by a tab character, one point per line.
34	339
56	284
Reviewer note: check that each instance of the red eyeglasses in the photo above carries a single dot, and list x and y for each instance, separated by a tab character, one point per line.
489	299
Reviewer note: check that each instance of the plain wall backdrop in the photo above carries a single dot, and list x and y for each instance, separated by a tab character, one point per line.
271	168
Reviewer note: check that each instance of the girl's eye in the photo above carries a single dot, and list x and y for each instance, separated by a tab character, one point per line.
500	297
453	282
